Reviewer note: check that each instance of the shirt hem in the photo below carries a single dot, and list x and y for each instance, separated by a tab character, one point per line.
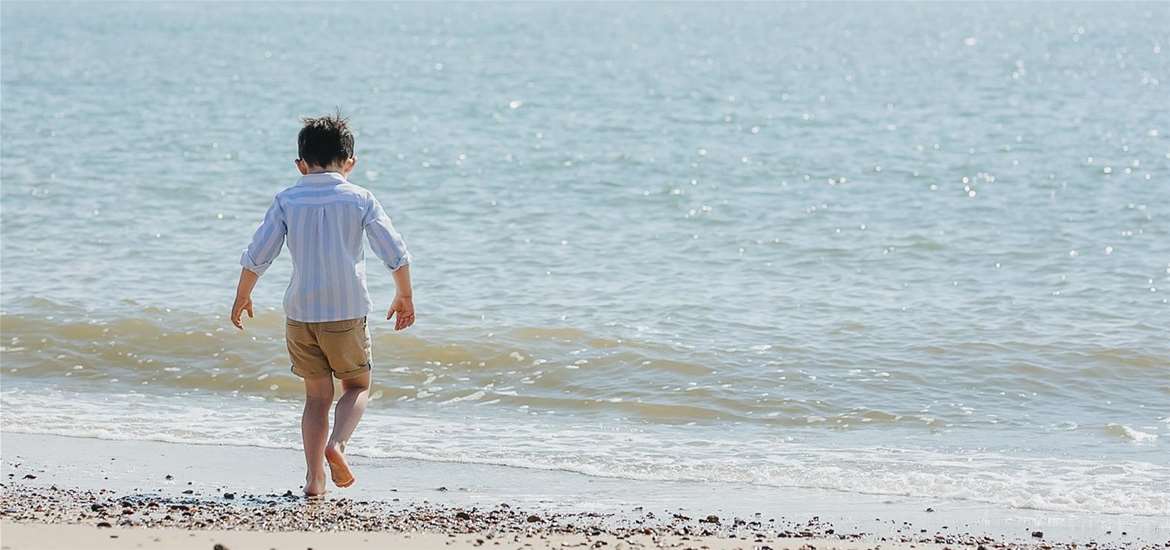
326	319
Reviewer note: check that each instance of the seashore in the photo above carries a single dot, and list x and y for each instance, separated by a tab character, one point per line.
69	518
69	492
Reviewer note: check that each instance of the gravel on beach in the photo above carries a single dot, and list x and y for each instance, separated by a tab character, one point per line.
503	522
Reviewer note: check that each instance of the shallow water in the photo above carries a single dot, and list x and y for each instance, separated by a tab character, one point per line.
885	249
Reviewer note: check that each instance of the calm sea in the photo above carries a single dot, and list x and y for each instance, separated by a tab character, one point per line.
887	249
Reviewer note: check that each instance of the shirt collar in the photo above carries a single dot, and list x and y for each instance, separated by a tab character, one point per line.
322	178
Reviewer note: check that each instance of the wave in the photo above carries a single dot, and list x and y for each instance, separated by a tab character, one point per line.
562	370
1129	434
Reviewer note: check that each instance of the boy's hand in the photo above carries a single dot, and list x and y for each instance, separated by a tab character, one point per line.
244	296
404	307
243	303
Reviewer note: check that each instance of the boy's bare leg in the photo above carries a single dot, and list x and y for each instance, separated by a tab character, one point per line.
314	430
351	405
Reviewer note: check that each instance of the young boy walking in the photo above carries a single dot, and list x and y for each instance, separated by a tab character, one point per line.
322	218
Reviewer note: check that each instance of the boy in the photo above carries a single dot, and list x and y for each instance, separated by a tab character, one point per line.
323	217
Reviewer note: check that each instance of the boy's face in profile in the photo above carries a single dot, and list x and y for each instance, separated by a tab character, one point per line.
344	167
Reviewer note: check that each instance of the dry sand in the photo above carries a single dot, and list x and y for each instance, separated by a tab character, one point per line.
15	536
35	518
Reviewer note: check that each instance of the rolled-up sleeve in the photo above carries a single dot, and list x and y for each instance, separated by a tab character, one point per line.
384	239
267	241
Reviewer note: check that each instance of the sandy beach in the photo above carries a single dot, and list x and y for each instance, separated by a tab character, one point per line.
56	518
22	536
65	518
62	492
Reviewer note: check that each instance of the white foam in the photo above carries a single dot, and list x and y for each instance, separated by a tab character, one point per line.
1131	433
633	452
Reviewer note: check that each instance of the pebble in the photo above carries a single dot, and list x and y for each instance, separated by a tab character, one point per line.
502	523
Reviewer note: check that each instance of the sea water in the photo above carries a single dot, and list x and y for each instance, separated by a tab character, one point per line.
884	249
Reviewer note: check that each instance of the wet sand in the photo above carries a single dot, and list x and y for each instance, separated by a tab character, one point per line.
60	492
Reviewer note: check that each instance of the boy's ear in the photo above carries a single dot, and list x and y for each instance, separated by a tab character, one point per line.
350	163
301	166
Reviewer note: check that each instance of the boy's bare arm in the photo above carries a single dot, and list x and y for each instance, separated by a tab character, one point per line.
244	297
403	303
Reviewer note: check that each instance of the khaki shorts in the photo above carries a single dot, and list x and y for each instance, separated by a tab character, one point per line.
341	348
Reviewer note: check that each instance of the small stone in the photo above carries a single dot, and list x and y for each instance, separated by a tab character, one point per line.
104	524
462	515
534	519
442	489
188	492
170	477
29	476
1038	534
710	519
229	496
930	509
219	546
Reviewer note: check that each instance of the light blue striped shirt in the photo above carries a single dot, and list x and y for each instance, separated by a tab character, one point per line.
323	217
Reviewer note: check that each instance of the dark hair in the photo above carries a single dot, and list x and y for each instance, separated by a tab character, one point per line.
325	140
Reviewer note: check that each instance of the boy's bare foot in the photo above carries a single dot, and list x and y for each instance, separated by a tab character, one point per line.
315	485
338	467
